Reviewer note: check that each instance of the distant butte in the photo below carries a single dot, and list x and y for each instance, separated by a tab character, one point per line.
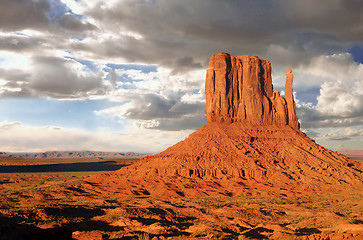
250	146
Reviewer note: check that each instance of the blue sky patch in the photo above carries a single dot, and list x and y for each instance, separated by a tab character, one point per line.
90	65
357	53
57	9
142	68
48	112
308	95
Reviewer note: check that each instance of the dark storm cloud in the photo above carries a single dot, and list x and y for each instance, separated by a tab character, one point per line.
71	23
197	29
51	77
21	14
55	77
312	118
161	112
185	64
36	14
154	106
175	31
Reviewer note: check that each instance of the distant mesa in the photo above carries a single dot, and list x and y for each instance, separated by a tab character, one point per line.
74	154
250	146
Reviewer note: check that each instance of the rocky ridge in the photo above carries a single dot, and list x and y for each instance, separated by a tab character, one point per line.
73	154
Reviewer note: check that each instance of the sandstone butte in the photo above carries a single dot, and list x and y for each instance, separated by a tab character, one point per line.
250	146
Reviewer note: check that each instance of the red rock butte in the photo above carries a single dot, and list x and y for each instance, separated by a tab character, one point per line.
251	145
239	89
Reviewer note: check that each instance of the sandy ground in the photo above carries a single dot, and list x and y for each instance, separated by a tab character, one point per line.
58	206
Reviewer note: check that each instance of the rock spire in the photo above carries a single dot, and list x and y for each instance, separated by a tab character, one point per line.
239	89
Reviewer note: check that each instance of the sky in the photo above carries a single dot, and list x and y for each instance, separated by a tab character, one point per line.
128	75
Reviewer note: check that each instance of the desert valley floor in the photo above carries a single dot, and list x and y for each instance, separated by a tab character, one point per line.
64	205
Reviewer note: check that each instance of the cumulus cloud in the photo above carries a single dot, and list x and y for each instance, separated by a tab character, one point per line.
343	134
19	43
340	101
156	111
157	100
310	117
52	77
59	77
342	95
14	75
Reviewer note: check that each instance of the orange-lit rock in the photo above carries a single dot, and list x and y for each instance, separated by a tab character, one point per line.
239	89
251	145
291	108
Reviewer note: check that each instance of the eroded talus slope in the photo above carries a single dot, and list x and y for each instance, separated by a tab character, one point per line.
232	159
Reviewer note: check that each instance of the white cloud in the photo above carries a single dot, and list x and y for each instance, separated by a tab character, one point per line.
336	66
340	99
341	95
78	7
48	76
342	134
191	98
15	61
18	137
147	123
157	99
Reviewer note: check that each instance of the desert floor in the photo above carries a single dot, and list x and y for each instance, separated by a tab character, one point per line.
56	205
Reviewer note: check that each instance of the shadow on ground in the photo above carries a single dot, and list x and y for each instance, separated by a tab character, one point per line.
15	228
64	167
79	219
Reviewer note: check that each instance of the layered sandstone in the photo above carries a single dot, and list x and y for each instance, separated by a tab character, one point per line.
251	145
239	89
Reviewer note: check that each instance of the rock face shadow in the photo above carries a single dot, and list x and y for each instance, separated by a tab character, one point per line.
307	231
258	233
74	212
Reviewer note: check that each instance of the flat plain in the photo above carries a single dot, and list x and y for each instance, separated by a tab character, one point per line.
62	205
